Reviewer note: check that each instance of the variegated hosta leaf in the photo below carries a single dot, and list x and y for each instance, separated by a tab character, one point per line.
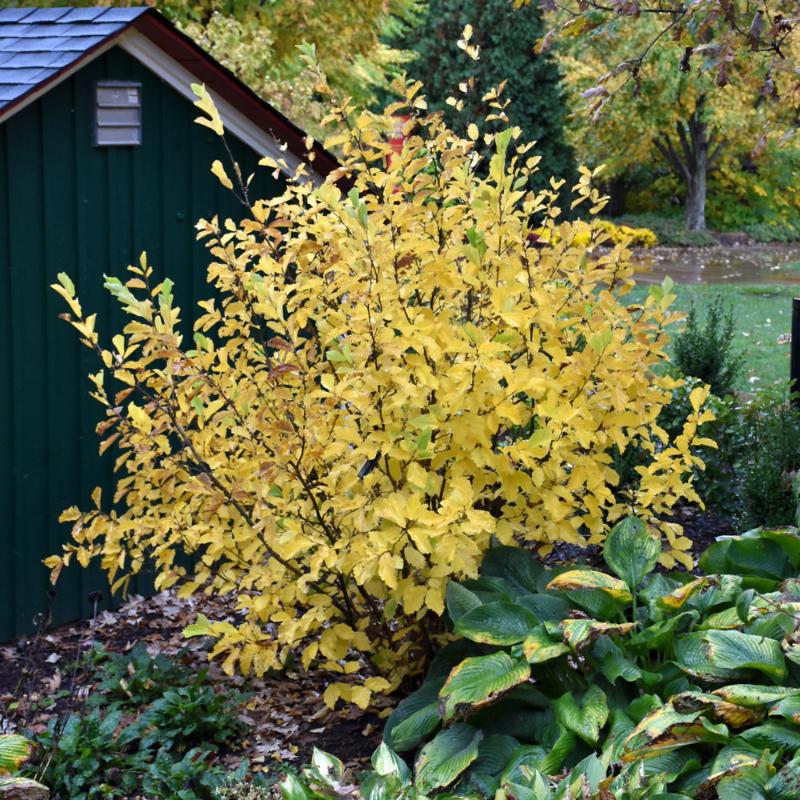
480	680
734	716
446	756
584	717
577	579
580	632
666	729
539	646
498	623
632	551
14	750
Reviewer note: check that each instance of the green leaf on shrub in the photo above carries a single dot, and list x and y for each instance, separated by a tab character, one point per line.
477	681
444	758
586	717
498	623
631	551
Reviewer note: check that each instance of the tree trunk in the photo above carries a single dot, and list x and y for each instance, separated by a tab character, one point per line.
694	212
691	158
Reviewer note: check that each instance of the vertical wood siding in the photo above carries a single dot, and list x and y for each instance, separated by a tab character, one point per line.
68	206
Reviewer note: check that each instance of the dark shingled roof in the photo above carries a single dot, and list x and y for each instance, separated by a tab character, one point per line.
37	43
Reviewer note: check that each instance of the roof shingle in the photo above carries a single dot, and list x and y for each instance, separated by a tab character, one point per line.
36	43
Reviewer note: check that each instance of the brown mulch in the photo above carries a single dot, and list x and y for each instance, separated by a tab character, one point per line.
46	675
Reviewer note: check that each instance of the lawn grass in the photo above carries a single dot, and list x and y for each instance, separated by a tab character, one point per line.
762	312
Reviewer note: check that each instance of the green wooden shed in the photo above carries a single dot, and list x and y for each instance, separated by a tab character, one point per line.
99	160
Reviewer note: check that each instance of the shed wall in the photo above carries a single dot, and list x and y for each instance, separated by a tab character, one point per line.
68	206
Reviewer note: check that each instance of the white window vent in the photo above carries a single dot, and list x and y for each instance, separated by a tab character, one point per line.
118	114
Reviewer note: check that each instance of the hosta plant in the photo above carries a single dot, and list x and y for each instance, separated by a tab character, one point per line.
389	375
634	682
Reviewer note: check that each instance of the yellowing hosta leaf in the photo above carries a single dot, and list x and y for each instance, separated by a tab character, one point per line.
591	579
539	646
480	680
580	632
665	729
498	623
584	717
444	758
734	716
14	750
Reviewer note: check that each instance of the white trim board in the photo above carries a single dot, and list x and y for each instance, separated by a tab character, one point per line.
179	78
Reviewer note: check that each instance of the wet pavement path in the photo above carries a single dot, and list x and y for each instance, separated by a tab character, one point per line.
751	264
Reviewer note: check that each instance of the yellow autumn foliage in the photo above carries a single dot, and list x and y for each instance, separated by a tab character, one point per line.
389	377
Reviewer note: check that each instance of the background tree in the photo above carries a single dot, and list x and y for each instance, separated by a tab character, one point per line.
504	38
673	114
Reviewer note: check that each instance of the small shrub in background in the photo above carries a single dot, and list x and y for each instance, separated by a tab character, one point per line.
706	350
669	231
389	378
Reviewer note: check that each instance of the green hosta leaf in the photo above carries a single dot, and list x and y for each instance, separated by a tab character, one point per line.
14	750
444	758
660	635
727	619
747	555
291	788
592	580
773	735
734	755
777	625
386	762
585	717
519	567
786	784
477	681
736	650
494	753
788	708
583	780
414	718
524	760
459	601
558	753
546	607
497	623
328	767
539	646
746	784
666	729
631	551
723	655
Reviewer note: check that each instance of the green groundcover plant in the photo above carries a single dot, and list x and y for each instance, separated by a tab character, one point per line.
604	685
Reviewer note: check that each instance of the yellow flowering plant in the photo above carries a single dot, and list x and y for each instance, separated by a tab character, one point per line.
392	373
